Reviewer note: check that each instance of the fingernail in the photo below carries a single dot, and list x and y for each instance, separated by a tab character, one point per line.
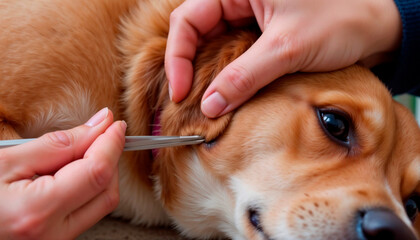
97	118
213	105
170	91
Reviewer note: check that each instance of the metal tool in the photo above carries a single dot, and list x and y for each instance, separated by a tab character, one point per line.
133	143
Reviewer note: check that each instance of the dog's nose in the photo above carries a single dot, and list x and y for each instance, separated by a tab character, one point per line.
383	224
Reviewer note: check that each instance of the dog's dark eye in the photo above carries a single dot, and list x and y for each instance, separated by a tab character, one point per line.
412	207
254	218
335	124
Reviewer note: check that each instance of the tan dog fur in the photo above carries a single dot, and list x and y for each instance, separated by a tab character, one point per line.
61	61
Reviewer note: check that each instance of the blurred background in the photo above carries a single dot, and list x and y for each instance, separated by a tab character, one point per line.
413	103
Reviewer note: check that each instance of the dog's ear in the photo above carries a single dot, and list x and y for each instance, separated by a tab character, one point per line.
186	118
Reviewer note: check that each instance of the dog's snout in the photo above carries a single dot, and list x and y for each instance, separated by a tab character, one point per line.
383	224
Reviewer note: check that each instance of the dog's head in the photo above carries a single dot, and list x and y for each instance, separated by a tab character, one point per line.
311	156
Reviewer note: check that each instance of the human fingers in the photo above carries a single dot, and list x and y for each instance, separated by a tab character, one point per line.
92	174
93	211
190	20
53	150
38	208
242	78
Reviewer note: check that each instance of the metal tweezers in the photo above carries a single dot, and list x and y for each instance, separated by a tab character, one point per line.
133	143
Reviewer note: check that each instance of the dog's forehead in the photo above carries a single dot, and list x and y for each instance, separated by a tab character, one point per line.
382	127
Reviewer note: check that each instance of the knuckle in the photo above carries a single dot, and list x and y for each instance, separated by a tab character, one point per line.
60	138
100	174
28	226
290	50
241	79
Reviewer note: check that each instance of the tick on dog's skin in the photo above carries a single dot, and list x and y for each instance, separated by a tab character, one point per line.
210	144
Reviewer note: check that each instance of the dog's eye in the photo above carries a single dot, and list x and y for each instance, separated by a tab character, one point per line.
254	218
412	207
335	124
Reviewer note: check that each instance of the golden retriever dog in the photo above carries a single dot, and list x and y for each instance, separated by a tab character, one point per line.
311	156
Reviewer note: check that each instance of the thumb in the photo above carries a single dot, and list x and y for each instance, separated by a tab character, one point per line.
261	64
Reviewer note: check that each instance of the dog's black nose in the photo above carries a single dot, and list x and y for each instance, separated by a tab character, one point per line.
383	224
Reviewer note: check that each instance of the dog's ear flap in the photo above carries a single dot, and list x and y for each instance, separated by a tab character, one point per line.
185	118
